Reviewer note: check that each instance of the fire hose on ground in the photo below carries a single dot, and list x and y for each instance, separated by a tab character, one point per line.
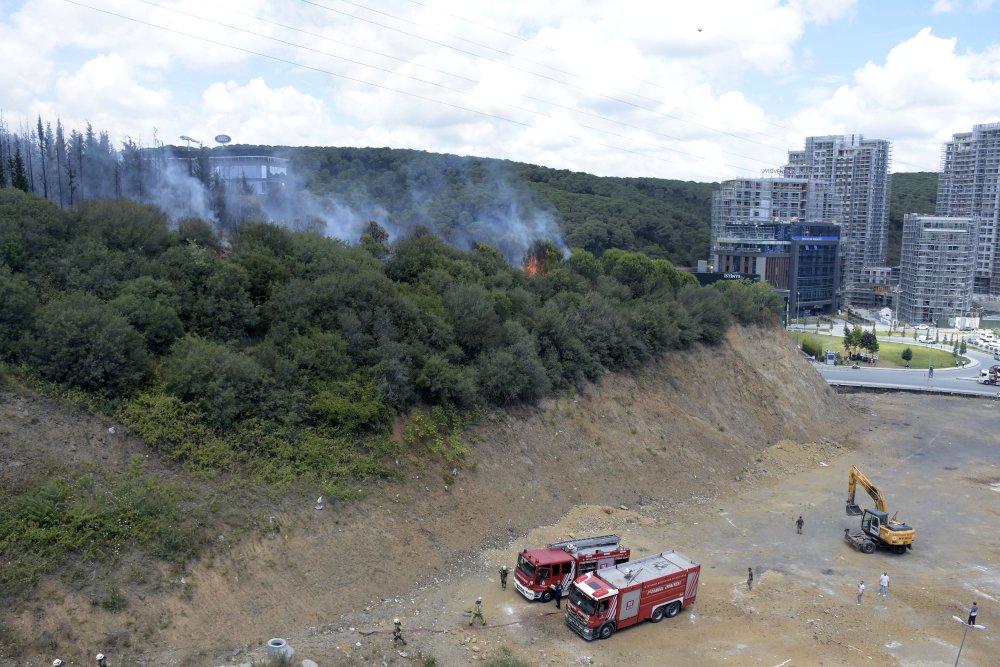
530	619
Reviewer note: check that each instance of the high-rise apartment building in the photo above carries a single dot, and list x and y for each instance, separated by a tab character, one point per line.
836	188
936	271
852	175
968	187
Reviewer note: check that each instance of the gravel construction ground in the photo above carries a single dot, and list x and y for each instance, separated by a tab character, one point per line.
936	460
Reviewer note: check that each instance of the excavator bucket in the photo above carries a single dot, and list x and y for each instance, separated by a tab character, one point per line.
853	509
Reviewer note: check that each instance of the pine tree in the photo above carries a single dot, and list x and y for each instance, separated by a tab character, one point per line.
18	174
60	156
41	152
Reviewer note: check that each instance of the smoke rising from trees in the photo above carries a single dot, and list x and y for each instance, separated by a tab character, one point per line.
467	202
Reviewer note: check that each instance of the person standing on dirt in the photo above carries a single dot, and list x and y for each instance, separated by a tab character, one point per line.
102	660
861	590
798	525
883	585
558	595
397	633
478	612
749	578
503	578
973	612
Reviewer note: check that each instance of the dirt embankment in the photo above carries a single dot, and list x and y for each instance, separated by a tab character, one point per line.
680	431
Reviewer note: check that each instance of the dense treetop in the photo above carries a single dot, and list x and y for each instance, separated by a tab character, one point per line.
288	346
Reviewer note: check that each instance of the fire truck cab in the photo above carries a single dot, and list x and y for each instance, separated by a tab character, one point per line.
654	587
539	570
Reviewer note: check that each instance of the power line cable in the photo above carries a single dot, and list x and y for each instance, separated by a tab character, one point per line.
652	84
540	100
396	90
440	85
481	25
583	89
644	82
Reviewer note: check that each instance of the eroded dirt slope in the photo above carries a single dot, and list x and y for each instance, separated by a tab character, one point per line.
684	430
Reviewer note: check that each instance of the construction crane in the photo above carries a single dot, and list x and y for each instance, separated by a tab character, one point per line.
878	529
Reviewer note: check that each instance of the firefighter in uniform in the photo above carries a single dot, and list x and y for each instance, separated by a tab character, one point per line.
503	578
478	612
397	633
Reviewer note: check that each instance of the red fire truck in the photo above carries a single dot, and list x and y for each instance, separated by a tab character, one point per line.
539	570
617	597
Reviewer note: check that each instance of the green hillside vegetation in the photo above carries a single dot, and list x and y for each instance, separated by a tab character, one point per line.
293	353
454	195
910	193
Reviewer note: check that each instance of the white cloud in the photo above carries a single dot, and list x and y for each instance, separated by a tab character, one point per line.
922	93
258	113
945	6
628	87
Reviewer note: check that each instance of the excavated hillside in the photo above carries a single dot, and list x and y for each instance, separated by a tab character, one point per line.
679	432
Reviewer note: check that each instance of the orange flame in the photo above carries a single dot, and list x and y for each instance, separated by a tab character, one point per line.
534	260
532	266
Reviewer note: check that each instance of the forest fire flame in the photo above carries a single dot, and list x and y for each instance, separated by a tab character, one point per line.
535	258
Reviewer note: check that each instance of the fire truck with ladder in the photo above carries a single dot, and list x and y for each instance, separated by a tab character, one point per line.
651	588
539	570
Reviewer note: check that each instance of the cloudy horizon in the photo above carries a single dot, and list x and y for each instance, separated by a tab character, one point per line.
693	91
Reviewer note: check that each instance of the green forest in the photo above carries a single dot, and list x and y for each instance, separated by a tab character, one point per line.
292	353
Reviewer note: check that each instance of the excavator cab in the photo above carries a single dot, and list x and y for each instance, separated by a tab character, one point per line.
877	528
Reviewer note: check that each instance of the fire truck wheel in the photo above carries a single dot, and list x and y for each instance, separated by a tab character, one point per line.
868	547
606	631
657	615
672	609
547	596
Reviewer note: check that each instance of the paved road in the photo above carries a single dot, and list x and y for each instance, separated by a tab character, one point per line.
948	379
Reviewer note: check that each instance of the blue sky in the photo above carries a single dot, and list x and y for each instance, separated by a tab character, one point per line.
697	91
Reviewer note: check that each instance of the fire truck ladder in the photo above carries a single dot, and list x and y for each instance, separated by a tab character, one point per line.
589	544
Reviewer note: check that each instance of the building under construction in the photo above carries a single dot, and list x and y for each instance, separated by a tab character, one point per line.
853	173
969	187
936	271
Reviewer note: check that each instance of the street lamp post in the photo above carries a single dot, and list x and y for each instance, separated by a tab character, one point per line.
964	633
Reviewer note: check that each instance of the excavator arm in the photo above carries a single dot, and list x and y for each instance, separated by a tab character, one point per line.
857	477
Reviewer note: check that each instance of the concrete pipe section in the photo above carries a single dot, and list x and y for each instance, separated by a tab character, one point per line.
278	648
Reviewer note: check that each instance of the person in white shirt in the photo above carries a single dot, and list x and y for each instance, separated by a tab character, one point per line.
861	590
883	585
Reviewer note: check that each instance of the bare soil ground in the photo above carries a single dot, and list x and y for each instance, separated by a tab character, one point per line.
713	453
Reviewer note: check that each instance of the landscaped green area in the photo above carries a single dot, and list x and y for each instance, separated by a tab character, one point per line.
890	355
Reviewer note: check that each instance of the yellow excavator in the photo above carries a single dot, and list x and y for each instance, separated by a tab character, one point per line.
877	528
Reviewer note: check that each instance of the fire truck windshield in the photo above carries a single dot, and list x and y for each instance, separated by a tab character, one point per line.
586	604
527	567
